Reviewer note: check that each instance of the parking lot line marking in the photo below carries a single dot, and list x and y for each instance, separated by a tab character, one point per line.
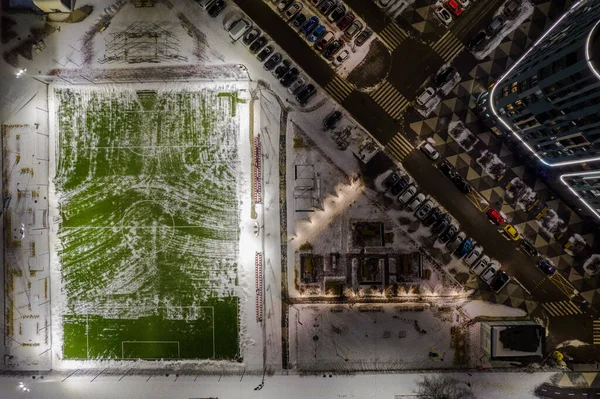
399	147
390	99
476	199
562	284
392	35
338	88
448	46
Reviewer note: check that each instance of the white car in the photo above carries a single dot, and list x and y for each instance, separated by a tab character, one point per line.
481	265
473	255
292	10
426	96
443	15
463	3
385	3
453	244
296	85
430	151
424	210
416	202
488	275
408	193
341	57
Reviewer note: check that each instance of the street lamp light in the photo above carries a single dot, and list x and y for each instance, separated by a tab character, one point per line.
21	72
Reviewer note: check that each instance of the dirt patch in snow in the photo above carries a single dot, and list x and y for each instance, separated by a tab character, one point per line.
592	265
373	68
492	164
462	135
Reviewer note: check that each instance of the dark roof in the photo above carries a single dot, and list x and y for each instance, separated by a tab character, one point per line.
521	338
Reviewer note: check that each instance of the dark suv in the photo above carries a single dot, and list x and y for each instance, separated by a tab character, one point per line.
445	76
332	119
447	169
432	217
462	184
528	248
400	185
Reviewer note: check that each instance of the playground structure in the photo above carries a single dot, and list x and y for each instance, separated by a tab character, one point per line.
141	42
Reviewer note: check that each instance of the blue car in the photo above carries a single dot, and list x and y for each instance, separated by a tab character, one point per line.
310	25
465	248
316	34
547	267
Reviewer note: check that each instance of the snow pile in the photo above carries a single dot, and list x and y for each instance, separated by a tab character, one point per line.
478	308
511	25
524	195
551	223
462	135
592	265
492	164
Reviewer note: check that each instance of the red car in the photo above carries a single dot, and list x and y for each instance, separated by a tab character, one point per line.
346	21
454	7
495	217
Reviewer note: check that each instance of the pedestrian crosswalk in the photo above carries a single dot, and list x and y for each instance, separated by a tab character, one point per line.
561	308
399	148
392	35
338	88
596	332
448	46
390	99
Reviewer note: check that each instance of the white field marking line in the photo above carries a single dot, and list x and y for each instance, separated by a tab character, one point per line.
126	227
87	336
213	328
148	342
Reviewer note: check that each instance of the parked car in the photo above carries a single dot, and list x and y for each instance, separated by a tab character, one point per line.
480	265
315	2
324	41
316	34
292	11
400	185
464	248
284	4
495	26
216	9
456	242
547	267
299	20
512	8
363	37
272	61
488	274
251	36
528	248
289	77
296	86
258	44
443	15
332	119
326	7
346	21
353	29
424	209
341	57
390	180
449	234
511	232
473	255
477	41
427	95
385	3
430	151
265	52
282	69
495	216
454	7
447	169
444	76
463	3
337	14
433	216
416	202
310	25
462	184
441	225
499	281
407	194
332	49
306	94
204	4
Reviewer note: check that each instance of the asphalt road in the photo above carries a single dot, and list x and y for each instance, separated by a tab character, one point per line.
549	391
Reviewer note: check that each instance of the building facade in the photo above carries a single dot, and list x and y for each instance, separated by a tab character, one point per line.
550	98
586	186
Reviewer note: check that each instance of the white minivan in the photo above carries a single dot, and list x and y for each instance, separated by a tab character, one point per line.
238	28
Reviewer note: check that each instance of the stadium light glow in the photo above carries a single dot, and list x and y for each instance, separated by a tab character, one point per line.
499	117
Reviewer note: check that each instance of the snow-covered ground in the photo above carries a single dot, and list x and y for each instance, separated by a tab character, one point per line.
463	136
510	25
492	164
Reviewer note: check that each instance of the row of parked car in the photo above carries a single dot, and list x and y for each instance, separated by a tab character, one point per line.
314	30
444	76
455	7
511	9
258	44
441	224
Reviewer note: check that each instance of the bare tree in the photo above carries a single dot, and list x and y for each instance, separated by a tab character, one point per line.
443	387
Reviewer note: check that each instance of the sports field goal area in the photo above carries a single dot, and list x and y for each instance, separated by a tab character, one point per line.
148	219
